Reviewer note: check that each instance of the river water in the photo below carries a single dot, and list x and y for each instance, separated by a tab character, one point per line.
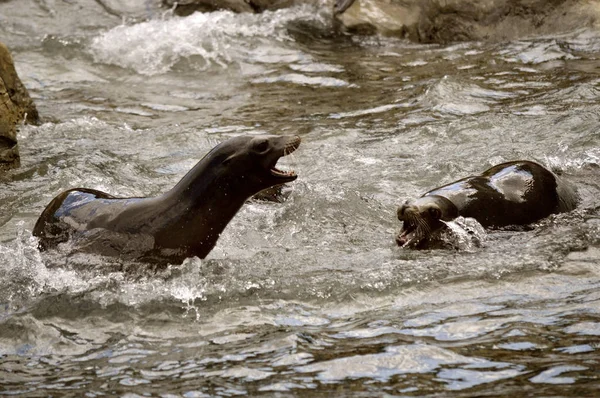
310	296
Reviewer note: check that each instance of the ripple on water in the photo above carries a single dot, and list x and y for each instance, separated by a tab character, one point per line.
453	97
551	376
310	296
535	52
299	79
396	360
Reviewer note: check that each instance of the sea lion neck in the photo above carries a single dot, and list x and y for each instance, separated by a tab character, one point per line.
208	193
200	178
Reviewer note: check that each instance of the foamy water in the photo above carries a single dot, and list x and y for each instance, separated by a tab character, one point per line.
309	296
223	39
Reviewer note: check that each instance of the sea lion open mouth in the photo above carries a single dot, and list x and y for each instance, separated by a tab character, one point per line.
406	235
281	173
414	230
422	219
290	147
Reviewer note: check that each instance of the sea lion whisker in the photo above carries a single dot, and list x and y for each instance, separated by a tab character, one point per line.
288	150
423	229
291	146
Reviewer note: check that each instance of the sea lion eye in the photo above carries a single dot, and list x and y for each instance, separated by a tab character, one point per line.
435	212
261	146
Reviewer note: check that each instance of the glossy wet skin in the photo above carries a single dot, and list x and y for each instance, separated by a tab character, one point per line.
183	222
512	193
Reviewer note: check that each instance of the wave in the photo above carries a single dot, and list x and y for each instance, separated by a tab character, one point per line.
219	38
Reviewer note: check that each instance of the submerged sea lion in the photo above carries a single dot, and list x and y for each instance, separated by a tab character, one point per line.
513	193
183	222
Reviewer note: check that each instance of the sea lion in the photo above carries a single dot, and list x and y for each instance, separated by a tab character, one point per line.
513	193
183	222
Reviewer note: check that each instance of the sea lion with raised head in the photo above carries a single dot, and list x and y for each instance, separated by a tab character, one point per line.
183	222
513	193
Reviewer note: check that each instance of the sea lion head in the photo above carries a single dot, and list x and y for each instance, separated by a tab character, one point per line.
250	162
423	218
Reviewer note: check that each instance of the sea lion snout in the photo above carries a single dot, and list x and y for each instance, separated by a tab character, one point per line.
292	143
420	208
423	217
278	147
402	209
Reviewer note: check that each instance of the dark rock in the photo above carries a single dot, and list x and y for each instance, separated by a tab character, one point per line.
187	7
15	107
443	21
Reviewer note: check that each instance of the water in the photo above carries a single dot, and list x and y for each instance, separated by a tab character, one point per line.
310	296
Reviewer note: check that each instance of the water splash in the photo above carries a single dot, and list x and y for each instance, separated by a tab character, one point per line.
218	39
24	274
464	233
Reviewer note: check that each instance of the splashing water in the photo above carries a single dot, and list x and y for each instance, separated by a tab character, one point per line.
220	38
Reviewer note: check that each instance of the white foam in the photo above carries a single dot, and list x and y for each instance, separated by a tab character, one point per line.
25	273
217	38
303	80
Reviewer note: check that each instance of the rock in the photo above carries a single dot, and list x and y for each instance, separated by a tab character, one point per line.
187	7
15	107
130	9
9	151
443	21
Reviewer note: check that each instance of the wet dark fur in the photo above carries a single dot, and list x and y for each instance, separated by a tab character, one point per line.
183	222
512	193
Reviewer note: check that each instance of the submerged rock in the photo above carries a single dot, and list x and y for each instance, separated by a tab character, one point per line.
15	106
442	21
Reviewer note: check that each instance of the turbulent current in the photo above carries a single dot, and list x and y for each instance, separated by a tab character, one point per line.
310	296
